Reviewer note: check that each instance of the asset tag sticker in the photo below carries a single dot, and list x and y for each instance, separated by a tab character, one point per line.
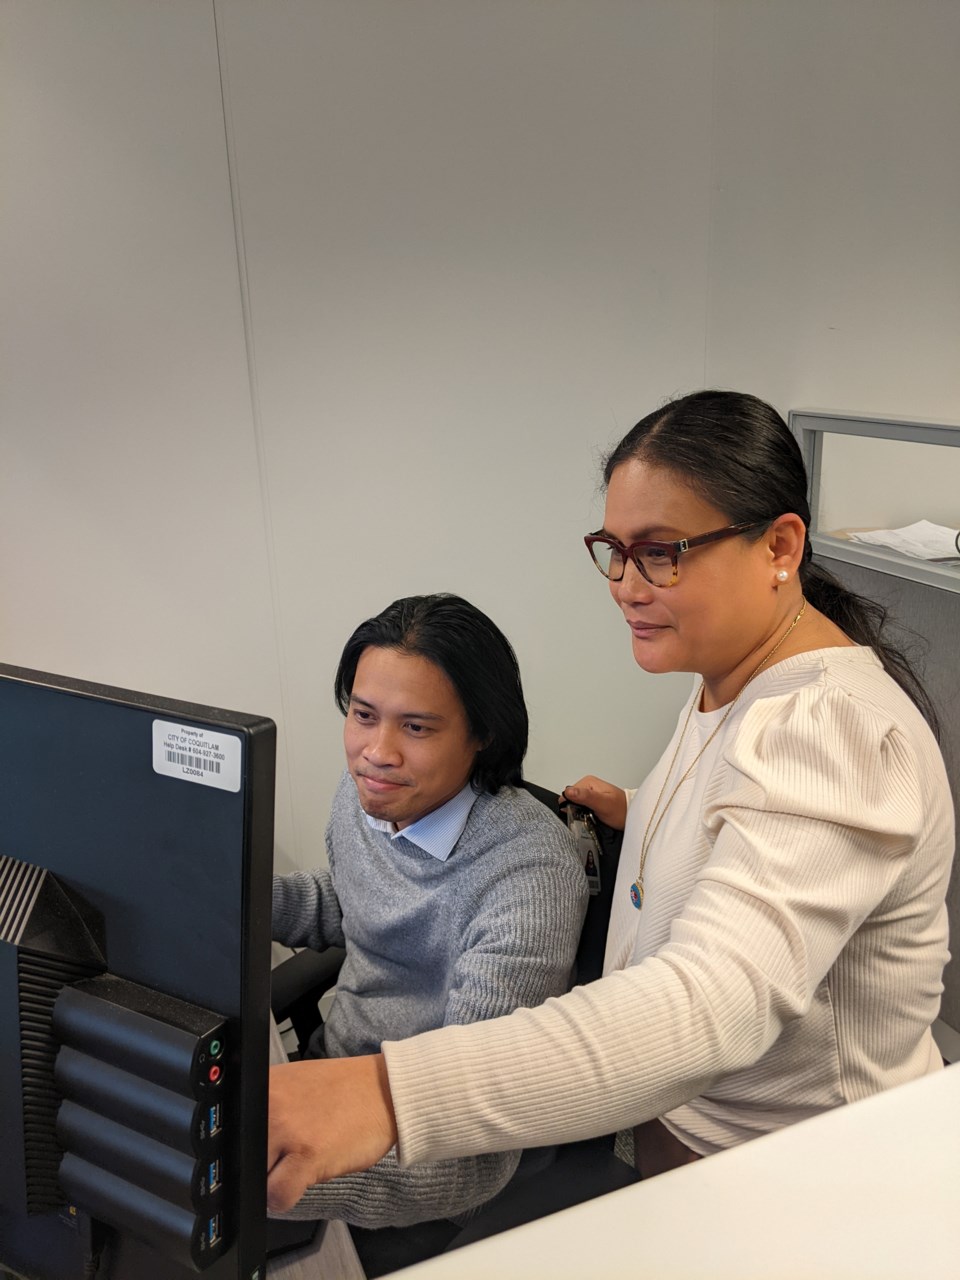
207	756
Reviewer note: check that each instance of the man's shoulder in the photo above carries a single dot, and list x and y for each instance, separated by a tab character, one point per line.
517	800
510	838
514	817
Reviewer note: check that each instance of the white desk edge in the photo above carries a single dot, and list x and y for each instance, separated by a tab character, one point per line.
870	1190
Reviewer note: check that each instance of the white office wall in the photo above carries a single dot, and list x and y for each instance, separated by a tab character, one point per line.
835	233
131	521
835	226
479	239
476	252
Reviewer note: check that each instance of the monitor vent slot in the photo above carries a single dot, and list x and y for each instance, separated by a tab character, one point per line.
20	884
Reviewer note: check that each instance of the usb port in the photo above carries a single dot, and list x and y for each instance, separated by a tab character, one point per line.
213	1176
213	1120
214	1231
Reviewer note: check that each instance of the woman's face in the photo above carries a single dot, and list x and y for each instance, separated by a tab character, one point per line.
722	605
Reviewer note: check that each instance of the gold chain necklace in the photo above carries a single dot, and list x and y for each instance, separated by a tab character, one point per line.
636	889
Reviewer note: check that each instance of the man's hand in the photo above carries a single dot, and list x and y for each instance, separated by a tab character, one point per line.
608	802
327	1117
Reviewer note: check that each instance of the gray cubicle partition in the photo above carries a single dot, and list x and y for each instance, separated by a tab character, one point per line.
921	595
934	615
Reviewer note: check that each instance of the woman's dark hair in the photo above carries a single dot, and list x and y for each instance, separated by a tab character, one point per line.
477	659
737	453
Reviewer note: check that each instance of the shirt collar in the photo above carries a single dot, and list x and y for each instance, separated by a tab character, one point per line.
437	832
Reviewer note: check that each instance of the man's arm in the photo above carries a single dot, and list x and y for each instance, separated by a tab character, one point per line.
388	1196
521	941
306	912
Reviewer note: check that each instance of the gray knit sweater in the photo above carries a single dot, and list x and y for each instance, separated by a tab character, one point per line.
492	929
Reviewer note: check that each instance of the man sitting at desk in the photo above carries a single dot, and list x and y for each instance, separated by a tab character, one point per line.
457	896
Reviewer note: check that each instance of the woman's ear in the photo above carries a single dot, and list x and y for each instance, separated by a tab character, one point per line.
786	538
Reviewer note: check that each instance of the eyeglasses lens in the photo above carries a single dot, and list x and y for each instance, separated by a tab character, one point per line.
657	565
657	562
609	560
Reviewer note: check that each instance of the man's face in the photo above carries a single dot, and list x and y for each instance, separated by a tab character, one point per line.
408	745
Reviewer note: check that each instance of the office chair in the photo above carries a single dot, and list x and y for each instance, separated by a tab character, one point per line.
546	1181
296	985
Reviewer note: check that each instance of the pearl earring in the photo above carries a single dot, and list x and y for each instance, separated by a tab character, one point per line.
782	575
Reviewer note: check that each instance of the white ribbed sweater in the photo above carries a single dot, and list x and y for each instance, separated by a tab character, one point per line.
788	957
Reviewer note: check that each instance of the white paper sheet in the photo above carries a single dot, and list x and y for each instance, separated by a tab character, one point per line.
923	540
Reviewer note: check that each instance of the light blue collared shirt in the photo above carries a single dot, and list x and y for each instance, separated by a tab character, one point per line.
435	833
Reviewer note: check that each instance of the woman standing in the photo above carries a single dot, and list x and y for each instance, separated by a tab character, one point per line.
778	932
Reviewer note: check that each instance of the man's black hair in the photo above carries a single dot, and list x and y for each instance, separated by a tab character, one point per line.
477	659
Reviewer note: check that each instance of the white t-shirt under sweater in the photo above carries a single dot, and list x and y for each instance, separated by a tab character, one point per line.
789	953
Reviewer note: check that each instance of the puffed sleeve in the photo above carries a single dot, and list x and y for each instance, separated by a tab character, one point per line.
819	803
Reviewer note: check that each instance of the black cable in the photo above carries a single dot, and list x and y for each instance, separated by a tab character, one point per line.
92	1238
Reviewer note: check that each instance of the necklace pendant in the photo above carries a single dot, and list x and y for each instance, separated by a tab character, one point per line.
636	894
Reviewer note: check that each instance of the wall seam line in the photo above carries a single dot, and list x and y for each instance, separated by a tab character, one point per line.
712	171
257	419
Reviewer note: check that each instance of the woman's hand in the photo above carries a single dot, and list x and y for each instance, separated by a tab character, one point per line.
608	802
328	1117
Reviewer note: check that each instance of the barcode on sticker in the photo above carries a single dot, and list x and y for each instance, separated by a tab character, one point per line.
192	762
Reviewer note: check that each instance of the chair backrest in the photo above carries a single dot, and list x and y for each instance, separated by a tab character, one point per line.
593	935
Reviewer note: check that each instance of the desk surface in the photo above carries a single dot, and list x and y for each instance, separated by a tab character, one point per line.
870	1190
